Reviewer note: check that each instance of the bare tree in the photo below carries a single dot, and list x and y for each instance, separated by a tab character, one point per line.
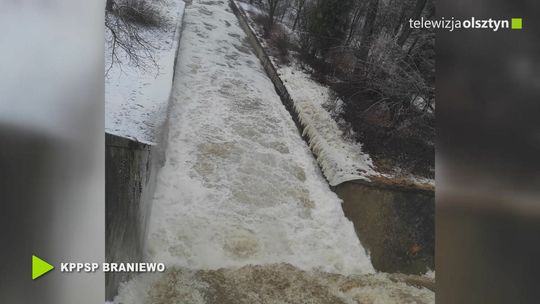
124	20
401	18
367	30
300	4
271	8
356	14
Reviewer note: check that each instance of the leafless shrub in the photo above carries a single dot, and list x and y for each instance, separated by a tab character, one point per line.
278	38
342	61
395	79
261	20
282	43
271	7
140	12
383	74
125	21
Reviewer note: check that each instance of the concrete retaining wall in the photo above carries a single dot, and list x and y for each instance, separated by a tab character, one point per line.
130	169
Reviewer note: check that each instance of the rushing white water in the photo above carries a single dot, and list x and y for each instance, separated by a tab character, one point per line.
239	186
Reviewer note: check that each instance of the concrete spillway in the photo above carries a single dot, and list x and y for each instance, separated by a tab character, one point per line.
239	185
240	199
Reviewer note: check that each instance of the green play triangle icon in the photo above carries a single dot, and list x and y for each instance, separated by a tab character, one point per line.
40	267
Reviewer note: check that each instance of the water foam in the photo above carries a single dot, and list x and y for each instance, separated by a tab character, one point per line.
240	186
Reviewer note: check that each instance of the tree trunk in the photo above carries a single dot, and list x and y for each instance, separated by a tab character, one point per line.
269	24
298	12
407	30
413	45
400	20
367	30
295	21
282	16
354	23
272	7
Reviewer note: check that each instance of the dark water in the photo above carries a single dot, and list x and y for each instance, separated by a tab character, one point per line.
395	225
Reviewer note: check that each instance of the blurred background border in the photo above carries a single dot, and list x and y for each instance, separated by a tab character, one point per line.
487	167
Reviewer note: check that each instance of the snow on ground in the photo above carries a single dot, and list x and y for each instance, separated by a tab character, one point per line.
136	100
341	159
239	186
430	274
250	8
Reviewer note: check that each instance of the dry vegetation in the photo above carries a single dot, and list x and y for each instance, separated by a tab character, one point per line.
382	70
125	21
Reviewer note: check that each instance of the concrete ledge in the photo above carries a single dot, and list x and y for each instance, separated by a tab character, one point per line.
130	180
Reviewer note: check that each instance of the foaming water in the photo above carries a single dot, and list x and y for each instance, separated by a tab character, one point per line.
271	284
239	186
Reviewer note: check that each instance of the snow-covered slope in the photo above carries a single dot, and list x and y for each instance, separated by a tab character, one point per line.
136	100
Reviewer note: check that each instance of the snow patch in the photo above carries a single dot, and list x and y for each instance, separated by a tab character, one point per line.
250	8
341	159
136	100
